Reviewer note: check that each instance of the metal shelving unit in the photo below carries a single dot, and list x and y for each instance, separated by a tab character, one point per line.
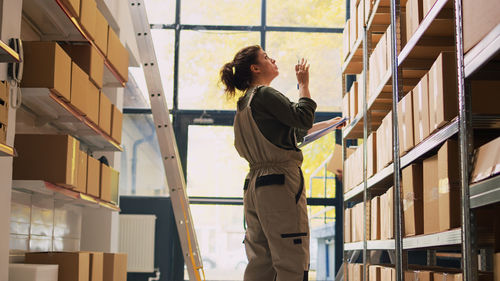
7	54
6	150
48	107
485	193
440	30
62	194
53	21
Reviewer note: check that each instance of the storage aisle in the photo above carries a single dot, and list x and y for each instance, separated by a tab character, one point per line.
421	189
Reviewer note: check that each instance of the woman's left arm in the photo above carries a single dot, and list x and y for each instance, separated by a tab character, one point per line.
321	125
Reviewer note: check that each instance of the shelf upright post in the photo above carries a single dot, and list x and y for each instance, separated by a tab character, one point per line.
366	121
344	205
469	262
396	91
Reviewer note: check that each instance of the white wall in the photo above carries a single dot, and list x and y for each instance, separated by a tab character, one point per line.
10	28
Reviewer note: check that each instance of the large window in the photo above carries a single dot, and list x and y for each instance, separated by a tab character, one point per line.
192	40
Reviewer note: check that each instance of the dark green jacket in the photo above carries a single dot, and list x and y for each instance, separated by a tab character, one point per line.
280	120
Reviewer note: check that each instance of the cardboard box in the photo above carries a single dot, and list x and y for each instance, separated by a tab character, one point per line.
360	10
412	186
371	146
411	275
449	186
96	266
443	101
33	272
358	225
79	89
335	162
387	215
87	18
345	40
116	124
431	195
101	32
374	271
72	266
117	54
405	124
93	176
105	113
424	275
353	102
496	267
105	183
46	65
421	110
346	107
388	274
487	161
81	185
89	60
414	15
481	93
357	272
93	103
51	158
4	103
375	219
445	276
353	36
3	134
479	19
384	142
115	180
115	267
347	225
73	6
427	6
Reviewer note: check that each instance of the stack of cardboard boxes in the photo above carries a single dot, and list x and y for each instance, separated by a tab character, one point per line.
76	77
100	34
487	161
384	153
380	62
84	266
58	159
4	110
354	169
441	190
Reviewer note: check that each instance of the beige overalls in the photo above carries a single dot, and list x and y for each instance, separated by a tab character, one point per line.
277	235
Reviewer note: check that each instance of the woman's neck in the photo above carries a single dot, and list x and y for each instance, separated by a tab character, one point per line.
260	82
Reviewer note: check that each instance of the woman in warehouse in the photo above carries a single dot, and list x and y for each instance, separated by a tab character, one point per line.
267	126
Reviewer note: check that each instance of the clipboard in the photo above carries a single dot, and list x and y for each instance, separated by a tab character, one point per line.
318	134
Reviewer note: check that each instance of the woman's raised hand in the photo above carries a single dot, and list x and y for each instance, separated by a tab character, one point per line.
302	73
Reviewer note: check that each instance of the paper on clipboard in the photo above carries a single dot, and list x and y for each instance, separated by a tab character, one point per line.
318	134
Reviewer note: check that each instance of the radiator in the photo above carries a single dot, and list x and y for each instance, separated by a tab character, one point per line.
137	239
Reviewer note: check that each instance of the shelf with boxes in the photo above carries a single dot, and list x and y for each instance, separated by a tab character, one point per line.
67	95
384	175
448	238
5	150
62	194
77	266
55	165
7	54
485	177
485	51
430	31
80	21
485	193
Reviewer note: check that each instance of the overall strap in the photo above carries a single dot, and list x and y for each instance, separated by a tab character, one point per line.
254	91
